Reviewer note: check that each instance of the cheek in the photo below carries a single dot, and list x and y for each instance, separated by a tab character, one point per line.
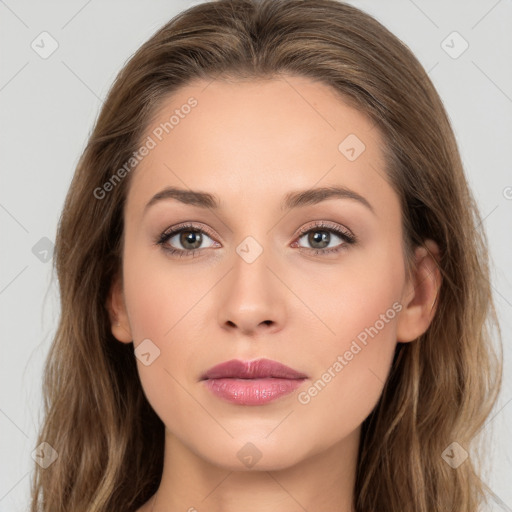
160	294
166	305
352	359
348	382
352	297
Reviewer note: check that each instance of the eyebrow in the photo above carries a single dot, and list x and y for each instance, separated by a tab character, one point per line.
291	200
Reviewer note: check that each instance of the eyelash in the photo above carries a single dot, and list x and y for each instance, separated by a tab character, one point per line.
347	237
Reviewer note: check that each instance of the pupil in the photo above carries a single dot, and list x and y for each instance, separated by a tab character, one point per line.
191	237
319	237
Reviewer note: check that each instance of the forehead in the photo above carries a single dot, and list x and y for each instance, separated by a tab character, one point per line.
259	138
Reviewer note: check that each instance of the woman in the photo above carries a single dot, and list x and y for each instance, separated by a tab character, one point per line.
324	340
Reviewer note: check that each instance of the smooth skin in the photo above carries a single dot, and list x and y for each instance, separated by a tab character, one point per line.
250	143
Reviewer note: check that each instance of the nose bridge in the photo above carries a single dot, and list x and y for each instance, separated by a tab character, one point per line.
251	259
251	295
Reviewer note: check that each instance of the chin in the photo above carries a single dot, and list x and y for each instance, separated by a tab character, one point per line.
252	454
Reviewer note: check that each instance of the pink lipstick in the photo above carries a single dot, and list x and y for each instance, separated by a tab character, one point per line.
252	382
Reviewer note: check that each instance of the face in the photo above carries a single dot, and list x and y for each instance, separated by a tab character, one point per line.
266	266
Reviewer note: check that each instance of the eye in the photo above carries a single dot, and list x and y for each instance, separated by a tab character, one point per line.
189	237
186	240
321	238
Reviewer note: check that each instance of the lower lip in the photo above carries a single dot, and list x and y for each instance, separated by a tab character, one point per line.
252	391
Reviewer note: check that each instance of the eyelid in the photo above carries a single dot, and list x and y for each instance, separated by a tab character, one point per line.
326	224
173	230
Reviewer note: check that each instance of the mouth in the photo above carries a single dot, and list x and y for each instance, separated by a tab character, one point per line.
252	382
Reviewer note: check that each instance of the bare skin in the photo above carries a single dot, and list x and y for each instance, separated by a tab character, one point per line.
250	144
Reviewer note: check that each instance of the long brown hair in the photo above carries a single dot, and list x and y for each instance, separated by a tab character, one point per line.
441	388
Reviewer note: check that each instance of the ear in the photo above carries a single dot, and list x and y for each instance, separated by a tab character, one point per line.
419	299
117	312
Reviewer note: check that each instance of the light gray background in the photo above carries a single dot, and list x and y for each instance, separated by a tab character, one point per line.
48	107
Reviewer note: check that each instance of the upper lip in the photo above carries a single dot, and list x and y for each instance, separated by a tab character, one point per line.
257	369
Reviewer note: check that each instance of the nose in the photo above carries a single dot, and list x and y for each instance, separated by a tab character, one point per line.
251	298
